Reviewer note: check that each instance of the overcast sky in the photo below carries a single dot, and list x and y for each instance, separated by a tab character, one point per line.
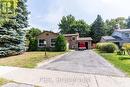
46	14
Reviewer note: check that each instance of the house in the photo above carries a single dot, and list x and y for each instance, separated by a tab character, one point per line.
73	40
119	37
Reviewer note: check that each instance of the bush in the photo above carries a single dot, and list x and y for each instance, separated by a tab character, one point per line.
61	44
126	46
107	47
33	45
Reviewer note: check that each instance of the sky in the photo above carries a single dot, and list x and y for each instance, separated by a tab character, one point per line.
46	14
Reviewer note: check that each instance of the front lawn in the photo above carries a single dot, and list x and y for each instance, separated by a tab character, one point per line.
120	61
28	59
3	81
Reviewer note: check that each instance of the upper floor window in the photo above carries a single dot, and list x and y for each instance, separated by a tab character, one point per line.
41	43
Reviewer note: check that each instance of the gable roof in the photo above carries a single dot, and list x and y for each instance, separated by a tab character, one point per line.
108	37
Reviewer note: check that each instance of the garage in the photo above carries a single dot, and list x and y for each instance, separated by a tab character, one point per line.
84	43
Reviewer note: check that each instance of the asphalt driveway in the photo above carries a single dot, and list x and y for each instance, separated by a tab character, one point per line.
83	62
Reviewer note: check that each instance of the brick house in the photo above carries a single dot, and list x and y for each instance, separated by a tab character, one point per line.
73	40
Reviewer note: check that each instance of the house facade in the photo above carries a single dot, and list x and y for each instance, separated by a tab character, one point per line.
119	36
73	40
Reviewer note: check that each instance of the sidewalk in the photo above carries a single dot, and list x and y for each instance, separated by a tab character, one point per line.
47	78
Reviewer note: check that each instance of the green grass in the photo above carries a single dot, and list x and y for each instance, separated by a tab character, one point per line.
28	59
120	61
3	81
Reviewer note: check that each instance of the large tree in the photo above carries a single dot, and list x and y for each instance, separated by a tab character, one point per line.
81	27
69	25
12	35
97	29
65	24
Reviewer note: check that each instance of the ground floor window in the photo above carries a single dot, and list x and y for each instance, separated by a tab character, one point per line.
41	43
53	41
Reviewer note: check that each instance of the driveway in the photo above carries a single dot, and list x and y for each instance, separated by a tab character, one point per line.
86	61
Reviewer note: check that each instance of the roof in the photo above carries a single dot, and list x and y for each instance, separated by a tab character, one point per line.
112	38
123	30
87	38
48	32
108	37
71	34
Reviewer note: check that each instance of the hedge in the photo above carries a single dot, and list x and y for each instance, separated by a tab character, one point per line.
107	47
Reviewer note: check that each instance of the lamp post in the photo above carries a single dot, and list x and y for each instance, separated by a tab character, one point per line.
45	48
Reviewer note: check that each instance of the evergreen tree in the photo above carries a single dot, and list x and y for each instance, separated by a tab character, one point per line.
97	29
12	35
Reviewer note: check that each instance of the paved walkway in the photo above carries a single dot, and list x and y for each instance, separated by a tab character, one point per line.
87	62
49	78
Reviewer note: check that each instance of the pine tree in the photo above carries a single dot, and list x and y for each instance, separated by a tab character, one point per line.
97	29
12	35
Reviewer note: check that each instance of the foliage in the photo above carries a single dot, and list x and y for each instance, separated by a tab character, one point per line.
33	33
128	22
107	47
110	25
61	44
31	37
33	45
126	46
97	29
69	25
12	35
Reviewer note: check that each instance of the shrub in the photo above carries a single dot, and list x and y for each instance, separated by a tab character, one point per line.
126	46
33	45
61	44
107	47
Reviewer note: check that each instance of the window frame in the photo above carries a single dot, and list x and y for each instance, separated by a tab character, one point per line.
41	43
53	42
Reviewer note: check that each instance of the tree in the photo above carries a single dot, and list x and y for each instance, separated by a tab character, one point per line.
80	27
128	22
69	25
12	35
61	44
65	24
31	37
33	33
97	29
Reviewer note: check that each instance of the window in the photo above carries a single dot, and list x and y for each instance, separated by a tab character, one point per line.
53	41
73	38
47	34
41	43
126	35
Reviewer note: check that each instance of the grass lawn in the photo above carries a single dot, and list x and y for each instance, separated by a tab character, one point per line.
120	61
3	81
28	59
